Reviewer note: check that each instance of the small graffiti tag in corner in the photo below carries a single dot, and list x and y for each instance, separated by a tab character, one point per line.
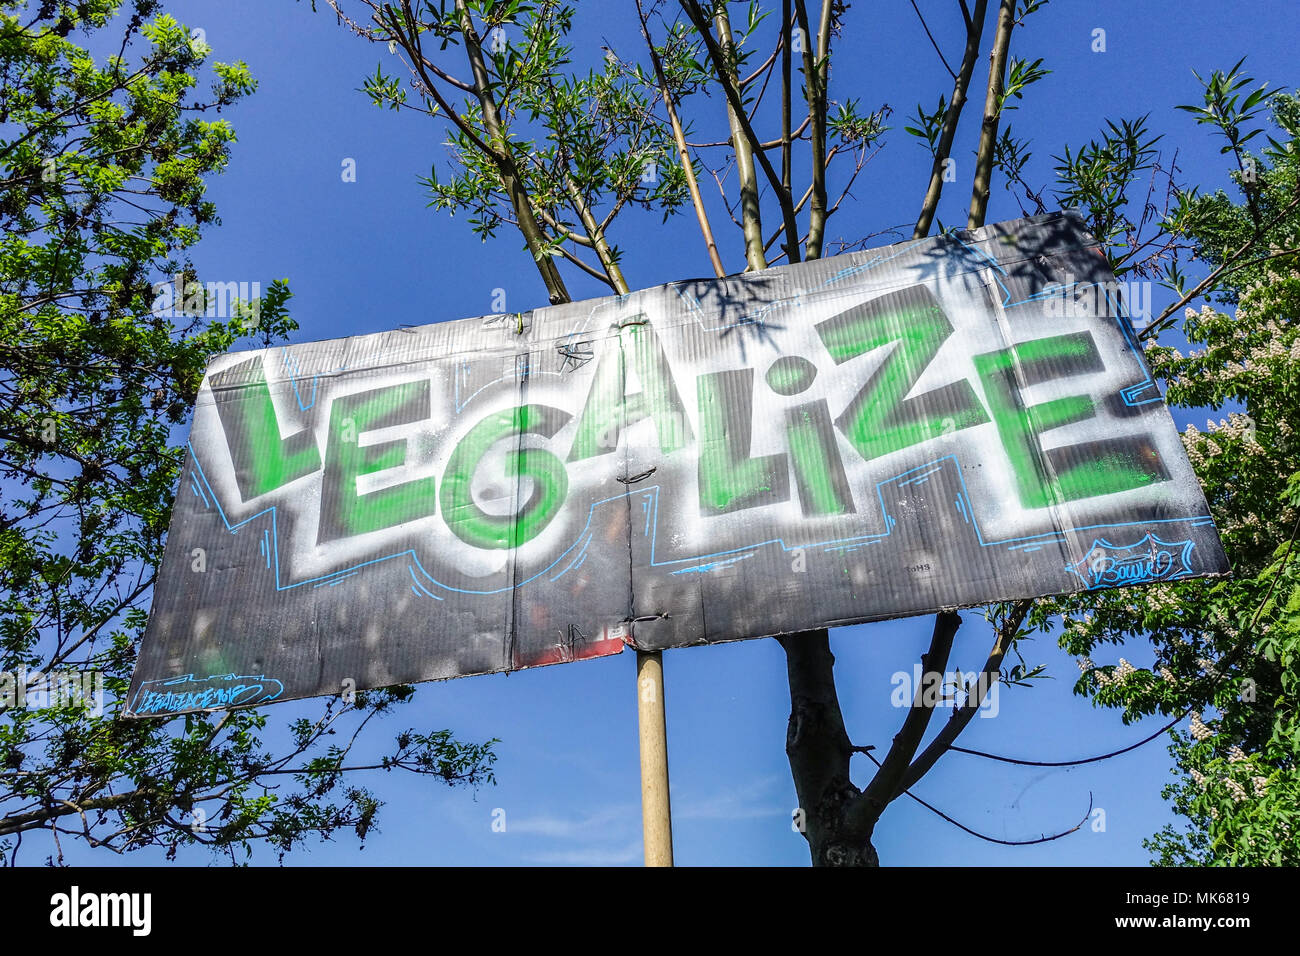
217	690
1108	565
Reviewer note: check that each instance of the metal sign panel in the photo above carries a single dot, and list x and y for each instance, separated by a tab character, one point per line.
934	424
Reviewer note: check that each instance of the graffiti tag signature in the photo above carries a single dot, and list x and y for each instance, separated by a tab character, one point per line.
1109	565
216	690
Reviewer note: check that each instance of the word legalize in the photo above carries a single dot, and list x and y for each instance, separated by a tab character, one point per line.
862	437
54	690
886	414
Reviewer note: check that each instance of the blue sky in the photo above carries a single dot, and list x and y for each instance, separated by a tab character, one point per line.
367	255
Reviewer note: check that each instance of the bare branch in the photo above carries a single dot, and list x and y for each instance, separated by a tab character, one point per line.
983	836
745	139
926	27
944	147
992	111
1006	632
884	785
679	137
770	144
1228	265
593	272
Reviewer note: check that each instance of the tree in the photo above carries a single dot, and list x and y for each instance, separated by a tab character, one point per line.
499	73
103	169
528	152
1227	652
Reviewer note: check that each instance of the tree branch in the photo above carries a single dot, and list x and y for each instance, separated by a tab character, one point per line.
679	137
992	111
991	674
744	139
594	273
815	75
974	32
884	785
786	139
925	26
498	149
983	836
1156	327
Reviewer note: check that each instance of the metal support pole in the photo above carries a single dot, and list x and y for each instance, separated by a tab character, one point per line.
656	815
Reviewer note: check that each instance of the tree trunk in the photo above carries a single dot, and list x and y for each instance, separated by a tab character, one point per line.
819	751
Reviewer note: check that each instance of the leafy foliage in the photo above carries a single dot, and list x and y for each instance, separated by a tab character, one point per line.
576	140
1227	651
1098	178
103	168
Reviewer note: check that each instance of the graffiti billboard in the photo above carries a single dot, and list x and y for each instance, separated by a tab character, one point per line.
935	424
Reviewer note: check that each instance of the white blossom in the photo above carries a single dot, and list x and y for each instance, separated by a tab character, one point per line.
1199	730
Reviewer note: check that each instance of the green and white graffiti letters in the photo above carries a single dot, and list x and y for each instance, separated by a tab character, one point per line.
866	436
892	341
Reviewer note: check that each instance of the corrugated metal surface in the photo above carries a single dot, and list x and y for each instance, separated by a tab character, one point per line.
929	425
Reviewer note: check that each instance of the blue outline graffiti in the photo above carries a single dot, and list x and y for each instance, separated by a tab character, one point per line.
1107	564
576	552
575	555
214	691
